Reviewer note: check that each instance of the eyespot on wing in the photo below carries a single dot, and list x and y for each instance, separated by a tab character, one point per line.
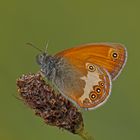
97	89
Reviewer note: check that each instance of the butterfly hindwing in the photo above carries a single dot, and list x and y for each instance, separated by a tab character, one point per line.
97	87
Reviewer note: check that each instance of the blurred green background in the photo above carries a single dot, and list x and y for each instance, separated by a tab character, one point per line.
66	23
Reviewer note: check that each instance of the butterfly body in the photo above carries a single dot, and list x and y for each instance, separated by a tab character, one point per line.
83	74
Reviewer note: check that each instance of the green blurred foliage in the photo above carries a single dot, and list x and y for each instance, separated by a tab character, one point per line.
66	23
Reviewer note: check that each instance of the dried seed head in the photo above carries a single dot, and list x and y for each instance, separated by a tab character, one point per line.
52	107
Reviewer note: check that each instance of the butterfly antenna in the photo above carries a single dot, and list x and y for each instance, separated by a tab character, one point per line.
32	45
46	48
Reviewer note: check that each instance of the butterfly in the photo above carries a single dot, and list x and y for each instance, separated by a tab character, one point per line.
84	74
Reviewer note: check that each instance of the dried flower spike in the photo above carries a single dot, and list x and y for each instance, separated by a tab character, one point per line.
52	107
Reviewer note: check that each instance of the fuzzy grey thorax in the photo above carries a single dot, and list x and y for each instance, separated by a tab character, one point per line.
48	65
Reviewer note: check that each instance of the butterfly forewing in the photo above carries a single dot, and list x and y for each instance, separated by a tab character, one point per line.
110	56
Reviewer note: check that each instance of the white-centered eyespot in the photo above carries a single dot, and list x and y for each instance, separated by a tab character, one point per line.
97	89
92	96
101	84
91	67
114	55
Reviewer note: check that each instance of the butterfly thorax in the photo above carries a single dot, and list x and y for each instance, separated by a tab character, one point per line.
47	64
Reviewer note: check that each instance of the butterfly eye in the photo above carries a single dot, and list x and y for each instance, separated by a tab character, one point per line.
101	84
92	96
91	68
98	89
114	55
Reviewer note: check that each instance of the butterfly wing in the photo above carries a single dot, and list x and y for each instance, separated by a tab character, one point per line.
87	85
86	76
97	87
111	56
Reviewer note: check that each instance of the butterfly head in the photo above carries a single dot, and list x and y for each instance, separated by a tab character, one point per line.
42	58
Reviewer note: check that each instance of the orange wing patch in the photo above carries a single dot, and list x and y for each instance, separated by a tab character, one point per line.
110	56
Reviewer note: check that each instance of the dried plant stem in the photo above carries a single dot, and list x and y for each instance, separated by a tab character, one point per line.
84	135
